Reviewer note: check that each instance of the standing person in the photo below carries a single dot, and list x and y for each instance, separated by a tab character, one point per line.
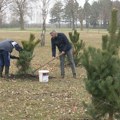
6	47
60	41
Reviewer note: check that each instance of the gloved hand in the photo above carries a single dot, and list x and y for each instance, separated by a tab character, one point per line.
14	57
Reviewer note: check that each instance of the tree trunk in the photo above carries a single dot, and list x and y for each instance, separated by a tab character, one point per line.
21	22
0	19
73	21
81	25
43	33
59	24
87	23
43	38
104	22
110	116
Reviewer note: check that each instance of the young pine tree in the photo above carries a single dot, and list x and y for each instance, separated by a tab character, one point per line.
103	74
26	55
78	45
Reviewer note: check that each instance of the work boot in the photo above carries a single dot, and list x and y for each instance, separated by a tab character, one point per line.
62	76
74	75
6	71
1	71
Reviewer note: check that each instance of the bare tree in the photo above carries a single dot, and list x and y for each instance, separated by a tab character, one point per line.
81	17
71	12
56	13
105	11
116	4
44	6
3	7
20	10
87	12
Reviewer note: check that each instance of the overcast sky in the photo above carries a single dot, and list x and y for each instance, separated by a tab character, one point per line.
81	2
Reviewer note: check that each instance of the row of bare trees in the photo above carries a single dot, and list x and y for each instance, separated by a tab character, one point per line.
3	7
97	13
67	11
20	10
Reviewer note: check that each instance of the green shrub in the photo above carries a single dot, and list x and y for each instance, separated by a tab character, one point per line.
26	55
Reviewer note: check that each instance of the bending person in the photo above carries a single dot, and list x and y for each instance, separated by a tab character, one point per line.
6	48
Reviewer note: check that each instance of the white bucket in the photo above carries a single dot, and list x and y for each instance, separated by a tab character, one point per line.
43	75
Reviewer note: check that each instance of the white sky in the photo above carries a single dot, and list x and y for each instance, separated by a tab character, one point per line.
81	2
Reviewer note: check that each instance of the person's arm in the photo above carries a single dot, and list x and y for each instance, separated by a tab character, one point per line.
66	43
53	48
14	57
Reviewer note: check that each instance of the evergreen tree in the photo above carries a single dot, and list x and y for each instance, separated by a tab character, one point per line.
26	55
78	45
103	75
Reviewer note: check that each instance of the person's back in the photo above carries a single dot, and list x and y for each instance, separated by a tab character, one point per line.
62	42
6	45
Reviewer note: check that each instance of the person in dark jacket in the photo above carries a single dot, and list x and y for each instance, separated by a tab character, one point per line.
6	48
60	41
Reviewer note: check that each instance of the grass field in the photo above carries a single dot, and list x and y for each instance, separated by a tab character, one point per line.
59	99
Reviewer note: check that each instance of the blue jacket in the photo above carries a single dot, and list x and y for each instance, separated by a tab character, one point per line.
6	45
62	43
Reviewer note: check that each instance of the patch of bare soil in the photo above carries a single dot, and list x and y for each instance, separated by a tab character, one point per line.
27	76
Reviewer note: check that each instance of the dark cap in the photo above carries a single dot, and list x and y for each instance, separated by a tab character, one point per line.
18	47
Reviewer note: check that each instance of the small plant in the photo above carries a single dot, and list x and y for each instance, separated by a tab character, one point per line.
26	55
78	45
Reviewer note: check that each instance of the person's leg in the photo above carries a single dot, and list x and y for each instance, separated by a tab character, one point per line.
72	63
7	71
62	60
1	64
1	71
6	63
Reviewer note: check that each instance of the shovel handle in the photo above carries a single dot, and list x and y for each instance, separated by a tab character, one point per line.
47	62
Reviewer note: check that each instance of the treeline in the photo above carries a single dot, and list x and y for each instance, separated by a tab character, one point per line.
66	13
92	15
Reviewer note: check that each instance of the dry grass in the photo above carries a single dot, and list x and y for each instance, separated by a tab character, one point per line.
59	99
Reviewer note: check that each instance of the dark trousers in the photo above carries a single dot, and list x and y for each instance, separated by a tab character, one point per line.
4	58
71	60
4	61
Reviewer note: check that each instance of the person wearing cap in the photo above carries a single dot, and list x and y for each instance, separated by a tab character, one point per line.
60	41
6	48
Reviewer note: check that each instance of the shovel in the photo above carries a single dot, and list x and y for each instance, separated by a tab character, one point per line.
47	62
